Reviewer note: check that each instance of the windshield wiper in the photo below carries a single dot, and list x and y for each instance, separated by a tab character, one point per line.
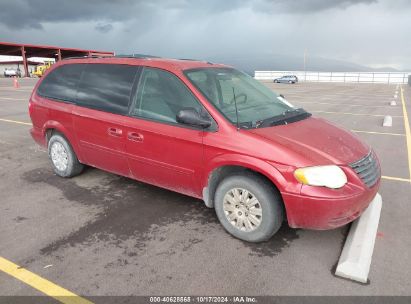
288	116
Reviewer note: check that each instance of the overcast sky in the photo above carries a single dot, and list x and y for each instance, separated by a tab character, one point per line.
376	33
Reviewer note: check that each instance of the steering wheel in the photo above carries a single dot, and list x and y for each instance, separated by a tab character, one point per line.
237	97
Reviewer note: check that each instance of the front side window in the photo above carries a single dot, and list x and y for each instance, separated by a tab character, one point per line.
161	95
107	87
61	83
242	99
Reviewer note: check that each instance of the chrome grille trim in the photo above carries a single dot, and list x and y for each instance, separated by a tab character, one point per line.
367	169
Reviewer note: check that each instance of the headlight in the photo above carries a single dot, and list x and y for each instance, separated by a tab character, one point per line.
327	176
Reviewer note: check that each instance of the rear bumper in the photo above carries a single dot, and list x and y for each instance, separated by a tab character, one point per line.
321	213
38	136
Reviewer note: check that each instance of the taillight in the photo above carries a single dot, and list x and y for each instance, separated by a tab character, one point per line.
30	108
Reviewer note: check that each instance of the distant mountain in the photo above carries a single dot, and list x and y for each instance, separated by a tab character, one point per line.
261	62
388	69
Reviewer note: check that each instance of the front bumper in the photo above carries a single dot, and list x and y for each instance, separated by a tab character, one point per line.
320	208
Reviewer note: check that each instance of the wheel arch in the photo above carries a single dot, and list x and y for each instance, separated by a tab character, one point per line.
221	168
52	126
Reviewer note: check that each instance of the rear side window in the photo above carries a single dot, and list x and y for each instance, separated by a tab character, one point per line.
107	87
61	83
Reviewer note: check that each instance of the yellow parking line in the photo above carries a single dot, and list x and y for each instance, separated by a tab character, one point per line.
407	130
355	114
396	178
16	121
379	133
59	293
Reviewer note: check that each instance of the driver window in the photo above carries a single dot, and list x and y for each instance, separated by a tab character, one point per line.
161	95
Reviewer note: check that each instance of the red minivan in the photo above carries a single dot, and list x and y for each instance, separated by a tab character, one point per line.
208	131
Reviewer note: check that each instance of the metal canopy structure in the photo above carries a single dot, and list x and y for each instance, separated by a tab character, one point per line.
29	50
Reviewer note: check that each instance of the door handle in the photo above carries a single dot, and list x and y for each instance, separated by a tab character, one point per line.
134	136
115	132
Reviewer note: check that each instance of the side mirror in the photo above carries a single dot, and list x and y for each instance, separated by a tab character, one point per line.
190	116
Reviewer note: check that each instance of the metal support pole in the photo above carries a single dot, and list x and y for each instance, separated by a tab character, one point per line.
59	54
26	67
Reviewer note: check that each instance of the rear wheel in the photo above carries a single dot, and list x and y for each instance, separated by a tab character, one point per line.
249	207
63	159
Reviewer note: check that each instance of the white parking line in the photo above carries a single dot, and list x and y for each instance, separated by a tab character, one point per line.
378	133
341	104
354	114
13	99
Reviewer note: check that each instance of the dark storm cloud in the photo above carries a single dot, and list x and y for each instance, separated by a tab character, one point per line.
306	6
104	28
273	34
23	14
19	14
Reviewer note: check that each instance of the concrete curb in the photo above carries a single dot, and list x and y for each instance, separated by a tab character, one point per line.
387	121
355	259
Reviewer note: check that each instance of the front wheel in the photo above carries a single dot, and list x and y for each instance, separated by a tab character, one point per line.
62	157
249	207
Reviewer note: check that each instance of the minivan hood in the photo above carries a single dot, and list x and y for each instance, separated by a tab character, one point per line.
316	141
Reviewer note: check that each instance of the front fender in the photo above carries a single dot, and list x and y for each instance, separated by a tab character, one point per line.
276	173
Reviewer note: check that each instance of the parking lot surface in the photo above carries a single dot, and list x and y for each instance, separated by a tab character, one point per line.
102	234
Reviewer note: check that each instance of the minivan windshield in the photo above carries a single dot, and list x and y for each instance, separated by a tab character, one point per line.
242	99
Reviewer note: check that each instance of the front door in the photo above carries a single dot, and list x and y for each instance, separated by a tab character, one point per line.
160	150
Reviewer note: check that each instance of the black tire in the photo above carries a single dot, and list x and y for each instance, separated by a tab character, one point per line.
74	167
270	201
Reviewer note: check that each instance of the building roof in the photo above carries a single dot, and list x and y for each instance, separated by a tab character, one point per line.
31	50
31	62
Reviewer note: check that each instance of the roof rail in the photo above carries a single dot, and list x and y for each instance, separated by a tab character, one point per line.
137	56
87	57
189	59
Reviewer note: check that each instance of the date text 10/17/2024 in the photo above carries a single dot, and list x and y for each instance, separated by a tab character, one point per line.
203	299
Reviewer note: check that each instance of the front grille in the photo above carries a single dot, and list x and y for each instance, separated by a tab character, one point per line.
367	169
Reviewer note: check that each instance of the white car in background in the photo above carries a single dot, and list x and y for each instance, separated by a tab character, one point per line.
12	72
